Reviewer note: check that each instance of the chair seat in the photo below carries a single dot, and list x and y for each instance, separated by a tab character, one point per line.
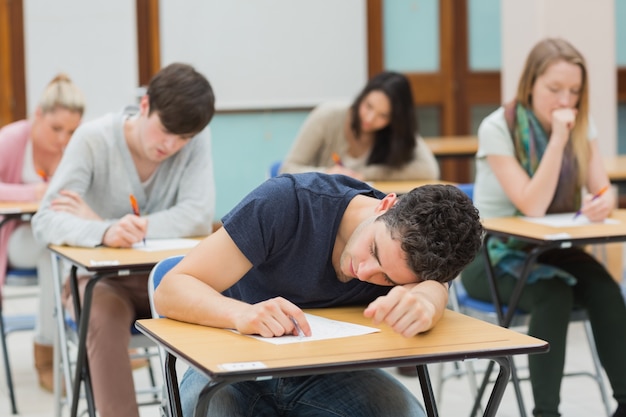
484	310
18	323
72	325
21	277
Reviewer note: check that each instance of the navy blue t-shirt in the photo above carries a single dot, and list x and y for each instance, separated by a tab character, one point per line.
286	228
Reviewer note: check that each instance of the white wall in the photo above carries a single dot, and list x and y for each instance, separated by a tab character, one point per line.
269	53
94	42
590	27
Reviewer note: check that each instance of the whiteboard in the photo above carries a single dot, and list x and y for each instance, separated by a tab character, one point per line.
92	42
265	54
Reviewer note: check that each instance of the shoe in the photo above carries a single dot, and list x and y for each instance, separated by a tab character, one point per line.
410	371
137	363
44	355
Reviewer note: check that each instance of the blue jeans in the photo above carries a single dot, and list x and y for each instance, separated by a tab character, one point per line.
367	393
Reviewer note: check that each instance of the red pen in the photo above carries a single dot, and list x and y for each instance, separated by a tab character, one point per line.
135	207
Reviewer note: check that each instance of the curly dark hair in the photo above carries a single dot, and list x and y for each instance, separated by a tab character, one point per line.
438	228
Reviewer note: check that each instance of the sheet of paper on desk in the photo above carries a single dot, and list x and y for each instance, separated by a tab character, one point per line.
322	329
153	245
564	220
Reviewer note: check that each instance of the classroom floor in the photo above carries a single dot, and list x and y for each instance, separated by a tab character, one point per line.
580	396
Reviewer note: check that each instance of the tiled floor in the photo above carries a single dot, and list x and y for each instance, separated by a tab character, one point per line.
580	396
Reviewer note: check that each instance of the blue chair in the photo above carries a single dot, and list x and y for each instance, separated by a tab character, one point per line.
15	323
156	275
274	168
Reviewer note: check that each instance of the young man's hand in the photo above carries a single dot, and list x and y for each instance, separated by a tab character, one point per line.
127	231
409	309
271	318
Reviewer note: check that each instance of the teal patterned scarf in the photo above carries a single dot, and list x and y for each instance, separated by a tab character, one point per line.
530	142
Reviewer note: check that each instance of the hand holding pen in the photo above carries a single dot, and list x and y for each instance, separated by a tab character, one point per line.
135	207
595	197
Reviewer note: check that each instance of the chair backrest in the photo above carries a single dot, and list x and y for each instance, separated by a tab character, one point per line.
156	275
467	189
274	168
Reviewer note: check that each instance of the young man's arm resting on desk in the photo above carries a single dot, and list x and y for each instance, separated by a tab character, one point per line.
191	292
330	242
424	303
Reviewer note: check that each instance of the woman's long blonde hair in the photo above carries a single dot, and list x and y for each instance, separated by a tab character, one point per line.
544	54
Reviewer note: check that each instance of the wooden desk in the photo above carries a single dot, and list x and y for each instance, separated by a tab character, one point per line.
616	168
403	187
13	207
21	211
102	262
456	337
455	156
13	210
545	238
453	146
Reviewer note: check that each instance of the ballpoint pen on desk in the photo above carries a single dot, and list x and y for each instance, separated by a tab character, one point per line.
135	207
598	194
337	159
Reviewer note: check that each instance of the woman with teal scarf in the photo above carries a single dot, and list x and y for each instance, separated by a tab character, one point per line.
538	154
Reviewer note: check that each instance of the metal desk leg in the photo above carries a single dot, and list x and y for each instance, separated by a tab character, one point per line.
82	363
505	319
171	382
7	365
500	385
427	391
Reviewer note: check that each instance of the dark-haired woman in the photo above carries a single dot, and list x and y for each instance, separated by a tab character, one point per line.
375	138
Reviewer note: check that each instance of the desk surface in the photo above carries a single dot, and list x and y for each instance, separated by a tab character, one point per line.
516	226
103	259
403	187
455	337
616	167
453	146
15	207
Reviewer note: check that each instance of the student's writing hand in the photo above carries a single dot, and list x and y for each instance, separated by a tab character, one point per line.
71	202
271	318
125	232
338	169
407	312
598	209
563	121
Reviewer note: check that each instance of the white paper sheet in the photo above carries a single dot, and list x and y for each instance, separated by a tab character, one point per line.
321	329
153	245
564	220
